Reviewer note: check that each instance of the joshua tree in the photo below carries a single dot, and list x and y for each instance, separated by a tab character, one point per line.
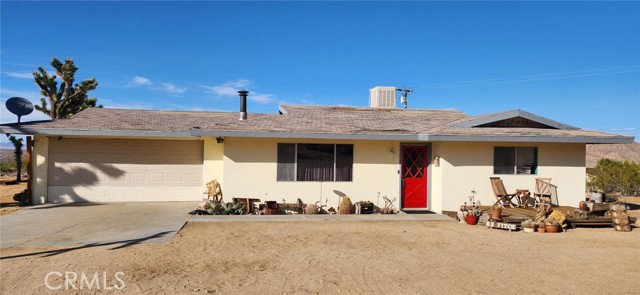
17	145
69	98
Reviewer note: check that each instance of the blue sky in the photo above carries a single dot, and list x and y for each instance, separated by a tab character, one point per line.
575	62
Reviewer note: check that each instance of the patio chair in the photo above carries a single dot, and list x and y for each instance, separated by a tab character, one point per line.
543	190
501	194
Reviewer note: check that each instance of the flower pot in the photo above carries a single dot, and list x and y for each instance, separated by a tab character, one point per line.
471	219
541	230
551	228
495	214
527	229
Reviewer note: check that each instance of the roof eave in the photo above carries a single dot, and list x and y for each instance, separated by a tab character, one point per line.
555	139
313	135
80	132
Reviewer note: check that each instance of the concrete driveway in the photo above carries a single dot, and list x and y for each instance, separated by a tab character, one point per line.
63	225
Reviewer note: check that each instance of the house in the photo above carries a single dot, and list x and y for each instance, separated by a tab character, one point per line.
425	159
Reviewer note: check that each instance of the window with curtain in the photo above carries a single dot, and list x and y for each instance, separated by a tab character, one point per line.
315	162
515	160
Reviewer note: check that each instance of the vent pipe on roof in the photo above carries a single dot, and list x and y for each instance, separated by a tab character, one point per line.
243	104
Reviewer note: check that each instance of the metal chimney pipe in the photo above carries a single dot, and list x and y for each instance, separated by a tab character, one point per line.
243	104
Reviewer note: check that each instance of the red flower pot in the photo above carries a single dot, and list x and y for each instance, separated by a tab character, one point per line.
471	219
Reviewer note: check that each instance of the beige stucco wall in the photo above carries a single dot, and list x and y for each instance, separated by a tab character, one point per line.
250	170
40	168
247	167
212	165
465	166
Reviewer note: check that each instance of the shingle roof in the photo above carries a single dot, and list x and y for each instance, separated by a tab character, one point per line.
297	120
322	119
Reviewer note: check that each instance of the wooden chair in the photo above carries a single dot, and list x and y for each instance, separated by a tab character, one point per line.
543	190
501	193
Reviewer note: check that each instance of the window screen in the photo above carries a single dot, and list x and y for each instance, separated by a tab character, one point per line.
315	162
286	161
515	160
344	162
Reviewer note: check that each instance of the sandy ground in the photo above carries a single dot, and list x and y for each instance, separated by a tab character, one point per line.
345	257
7	191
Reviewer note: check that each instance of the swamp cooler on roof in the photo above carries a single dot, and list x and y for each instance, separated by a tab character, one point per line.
382	97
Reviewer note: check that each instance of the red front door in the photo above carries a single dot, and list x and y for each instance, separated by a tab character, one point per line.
414	176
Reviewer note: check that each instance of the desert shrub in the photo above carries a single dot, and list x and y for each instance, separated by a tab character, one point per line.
615	176
8	164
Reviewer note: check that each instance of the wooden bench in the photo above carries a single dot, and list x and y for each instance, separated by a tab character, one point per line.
595	221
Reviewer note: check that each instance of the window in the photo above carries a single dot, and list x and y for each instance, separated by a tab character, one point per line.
515	160
315	162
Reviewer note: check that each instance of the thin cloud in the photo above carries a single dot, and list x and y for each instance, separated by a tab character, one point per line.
124	103
300	100
261	98
170	88
231	88
126	106
174	107
20	75
30	95
18	64
139	81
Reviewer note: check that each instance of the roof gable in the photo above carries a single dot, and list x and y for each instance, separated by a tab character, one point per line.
513	119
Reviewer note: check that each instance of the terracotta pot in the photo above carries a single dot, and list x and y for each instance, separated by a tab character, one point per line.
471	219
541	230
495	214
551	228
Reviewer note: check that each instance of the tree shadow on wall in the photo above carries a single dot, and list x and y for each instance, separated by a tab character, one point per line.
81	177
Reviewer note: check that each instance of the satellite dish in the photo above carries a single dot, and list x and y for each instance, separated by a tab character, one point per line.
19	106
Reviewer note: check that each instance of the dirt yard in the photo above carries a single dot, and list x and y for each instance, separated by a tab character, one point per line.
7	191
345	257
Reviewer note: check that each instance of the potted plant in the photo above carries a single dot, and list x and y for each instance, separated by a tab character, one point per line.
496	211
555	220
528	226
541	228
472	214
551	225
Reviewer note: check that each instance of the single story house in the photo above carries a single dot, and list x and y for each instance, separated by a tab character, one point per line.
424	159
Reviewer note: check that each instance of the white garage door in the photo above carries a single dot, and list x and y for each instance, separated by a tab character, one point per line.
118	170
